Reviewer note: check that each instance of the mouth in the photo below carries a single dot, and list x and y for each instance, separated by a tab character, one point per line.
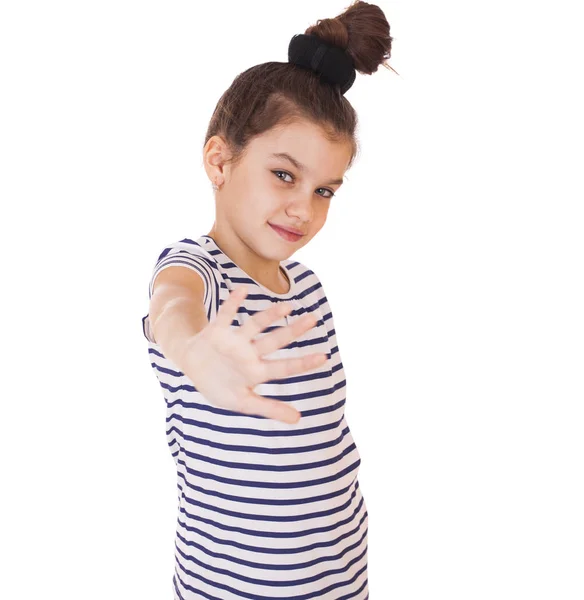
287	235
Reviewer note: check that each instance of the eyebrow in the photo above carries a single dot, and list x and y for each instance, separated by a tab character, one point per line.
300	166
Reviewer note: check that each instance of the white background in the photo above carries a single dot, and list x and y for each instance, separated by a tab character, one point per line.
452	259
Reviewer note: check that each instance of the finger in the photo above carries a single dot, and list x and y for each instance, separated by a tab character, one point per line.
282	336
263	318
254	404
228	310
281	368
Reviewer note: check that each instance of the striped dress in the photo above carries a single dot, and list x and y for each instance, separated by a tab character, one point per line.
266	510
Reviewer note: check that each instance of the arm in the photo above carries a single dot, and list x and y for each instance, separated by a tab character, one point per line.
177	311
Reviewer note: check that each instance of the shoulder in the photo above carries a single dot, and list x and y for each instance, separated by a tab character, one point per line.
299	270
187	247
306	278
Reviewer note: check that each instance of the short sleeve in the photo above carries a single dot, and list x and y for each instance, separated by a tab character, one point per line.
190	255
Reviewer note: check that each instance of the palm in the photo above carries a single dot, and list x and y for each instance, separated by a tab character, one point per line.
228	363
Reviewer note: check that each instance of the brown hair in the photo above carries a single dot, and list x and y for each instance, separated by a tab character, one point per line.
275	93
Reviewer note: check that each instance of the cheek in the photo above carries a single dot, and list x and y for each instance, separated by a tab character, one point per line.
271	205
321	211
238	207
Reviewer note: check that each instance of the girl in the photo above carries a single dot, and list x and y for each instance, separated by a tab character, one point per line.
243	343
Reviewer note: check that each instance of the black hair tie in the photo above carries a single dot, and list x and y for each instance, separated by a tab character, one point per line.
332	63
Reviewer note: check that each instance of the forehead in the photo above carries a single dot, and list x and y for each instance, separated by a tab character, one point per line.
308	144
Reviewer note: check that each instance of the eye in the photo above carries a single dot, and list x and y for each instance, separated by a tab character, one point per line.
286	173
327	190
276	172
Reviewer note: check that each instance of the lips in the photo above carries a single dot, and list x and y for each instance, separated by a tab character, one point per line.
289	229
285	234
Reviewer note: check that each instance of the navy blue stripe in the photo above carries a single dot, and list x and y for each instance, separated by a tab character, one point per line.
273	534
261	449
281	584
192	589
283	485
324	409
263	565
268	550
328	408
264	501
272	518
259	432
171	404
267	467
285	398
292	379
174	581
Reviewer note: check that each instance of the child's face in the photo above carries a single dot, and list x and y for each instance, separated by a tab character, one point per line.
256	192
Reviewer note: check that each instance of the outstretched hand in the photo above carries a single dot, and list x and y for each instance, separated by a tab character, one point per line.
226	363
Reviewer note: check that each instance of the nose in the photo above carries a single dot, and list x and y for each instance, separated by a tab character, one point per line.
301	208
